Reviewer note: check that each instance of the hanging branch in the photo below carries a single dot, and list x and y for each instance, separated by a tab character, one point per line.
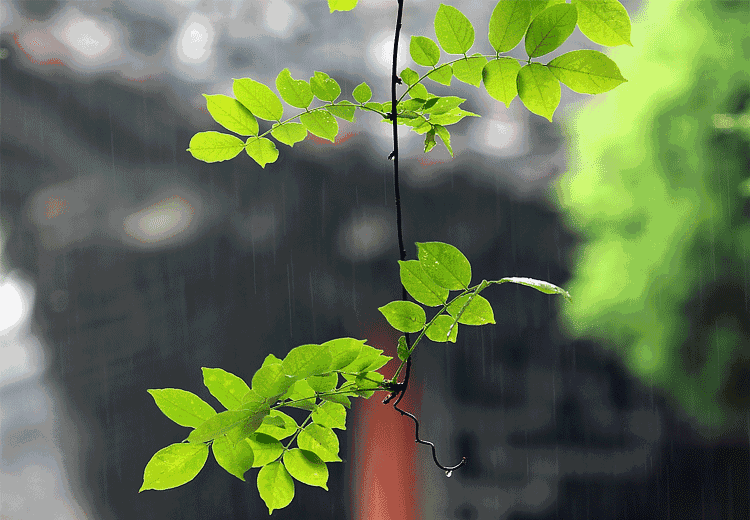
399	389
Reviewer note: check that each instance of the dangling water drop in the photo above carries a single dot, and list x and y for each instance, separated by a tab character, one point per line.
449	473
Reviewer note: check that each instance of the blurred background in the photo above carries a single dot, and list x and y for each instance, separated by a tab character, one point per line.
127	265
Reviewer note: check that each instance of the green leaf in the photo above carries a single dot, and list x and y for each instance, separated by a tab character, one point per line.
320	123
538	89
227	388
442	74
378	362
289	133
418	91
262	150
445	264
271	360
343	351
332	415
367	382
362	93
337	398
550	29
424	51
344	110
586	71
324	87
174	466
307	360
247	420
306	467
321	441
215	147
443	328
366	357
183	407
278	425
258	98
449	118
444	135
296	92
477	310
419	285
303	395
453	30
271	381
377	107
469	70
441	105
342	5
275	485
429	142
605	22
231	114
324	383
409	76
265	448
404	316
539	285
508	23
235	458
499	77
402	349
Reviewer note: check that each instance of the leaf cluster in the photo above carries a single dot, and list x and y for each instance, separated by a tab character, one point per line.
543	25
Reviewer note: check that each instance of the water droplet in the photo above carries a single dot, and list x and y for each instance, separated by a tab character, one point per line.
449	473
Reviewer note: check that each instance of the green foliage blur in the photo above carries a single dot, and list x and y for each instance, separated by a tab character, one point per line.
657	192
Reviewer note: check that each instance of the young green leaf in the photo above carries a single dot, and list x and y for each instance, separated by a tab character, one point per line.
235	458
306	467
342	5
404	316
539	89
443	133
418	91
443	328
586	71
231	114
367	382
265	448
445	264
442	74
453	116
289	133
409	76
362	93
429	143
215	147
418	284
271	360
441	105
271	381
344	110
499	77
296	92
377	107
508	23
247	420
321	123
366	357
539	285
278	425
227	388
471	309
402	349
424	51
378	362
332	415
324	87
183	407
453	30
550	29
174	466
275	485
321	441
469	70
343	351
323	383
262	150
605	22
307	360
258	98
302	394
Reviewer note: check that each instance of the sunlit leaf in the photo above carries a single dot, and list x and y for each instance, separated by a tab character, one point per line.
508	24
442	74
424	51
183	407
271	381
289	133
296	92
307	360
332	415
586	71
321	123
321	441
499	77
443	133
215	146
278	425
418	284
539	285
174	466
306	467
262	150
469	70
454	31
234	458
344	110
538	89
265	448
341	5
471	309
550	29
404	316
443	328
445	264
362	93
275	485
324	87
605	22
231	114
227	388
258	98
